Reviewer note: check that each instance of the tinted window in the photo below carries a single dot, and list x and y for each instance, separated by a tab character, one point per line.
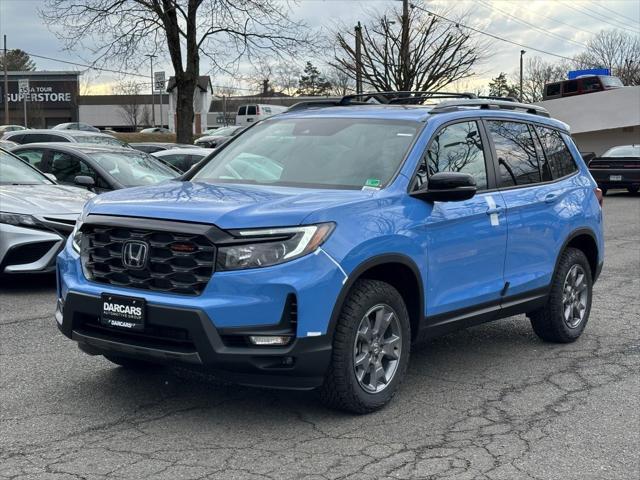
516	153
16	138
556	152
34	157
591	84
42	137
242	111
329	152
66	167
251	110
456	148
553	89
571	86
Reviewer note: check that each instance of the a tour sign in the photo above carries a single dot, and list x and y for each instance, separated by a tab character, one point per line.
48	94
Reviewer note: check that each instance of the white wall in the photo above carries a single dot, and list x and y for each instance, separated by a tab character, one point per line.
601	141
597	111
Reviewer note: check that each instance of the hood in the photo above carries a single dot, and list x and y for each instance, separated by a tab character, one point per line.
225	205
43	199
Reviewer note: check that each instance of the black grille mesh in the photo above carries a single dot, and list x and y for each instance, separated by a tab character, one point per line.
178	262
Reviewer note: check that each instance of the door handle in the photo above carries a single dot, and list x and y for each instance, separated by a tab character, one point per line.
551	197
496	209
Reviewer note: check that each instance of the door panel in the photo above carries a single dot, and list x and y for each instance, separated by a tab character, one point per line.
466	240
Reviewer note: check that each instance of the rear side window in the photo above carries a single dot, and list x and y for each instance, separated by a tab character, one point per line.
42	137
516	153
251	110
242	111
16	138
456	148
556	152
34	157
591	84
571	86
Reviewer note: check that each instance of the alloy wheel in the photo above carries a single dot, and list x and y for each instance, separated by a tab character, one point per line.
575	296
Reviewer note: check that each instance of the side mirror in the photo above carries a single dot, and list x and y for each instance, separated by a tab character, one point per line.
84	181
51	177
447	187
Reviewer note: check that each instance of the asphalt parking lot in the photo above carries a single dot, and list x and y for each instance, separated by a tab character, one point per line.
492	402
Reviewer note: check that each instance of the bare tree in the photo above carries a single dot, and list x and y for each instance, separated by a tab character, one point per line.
221	30
438	54
341	82
537	73
616	50
131	110
286	77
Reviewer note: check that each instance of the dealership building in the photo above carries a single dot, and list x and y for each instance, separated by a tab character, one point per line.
52	98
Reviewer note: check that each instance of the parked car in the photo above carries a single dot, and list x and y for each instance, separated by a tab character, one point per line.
183	158
95	167
220	136
155	130
580	86
11	128
152	147
314	249
248	114
618	167
73	136
36	216
84	127
212	130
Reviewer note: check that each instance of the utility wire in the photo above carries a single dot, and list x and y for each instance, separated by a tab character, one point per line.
627	19
524	22
600	19
496	37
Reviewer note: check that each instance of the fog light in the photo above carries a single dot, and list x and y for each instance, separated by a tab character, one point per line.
276	340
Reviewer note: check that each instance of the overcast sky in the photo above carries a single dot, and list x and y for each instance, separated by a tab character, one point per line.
571	19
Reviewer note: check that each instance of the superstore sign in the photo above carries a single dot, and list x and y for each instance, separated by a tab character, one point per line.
53	94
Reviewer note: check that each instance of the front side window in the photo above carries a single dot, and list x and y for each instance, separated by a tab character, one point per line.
14	171
556	152
251	110
67	167
516	153
242	111
315	152
455	148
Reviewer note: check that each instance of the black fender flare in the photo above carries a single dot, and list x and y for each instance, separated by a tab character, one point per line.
576	233
357	272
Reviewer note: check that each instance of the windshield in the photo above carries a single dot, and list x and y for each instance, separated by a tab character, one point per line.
14	171
623	151
133	168
99	139
318	152
609	81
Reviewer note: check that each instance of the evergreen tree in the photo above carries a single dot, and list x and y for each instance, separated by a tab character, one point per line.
312	82
17	61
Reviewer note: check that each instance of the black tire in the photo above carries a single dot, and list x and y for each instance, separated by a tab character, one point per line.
342	389
549	321
633	189
131	363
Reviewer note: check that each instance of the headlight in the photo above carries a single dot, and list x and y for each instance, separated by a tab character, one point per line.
76	236
265	247
18	219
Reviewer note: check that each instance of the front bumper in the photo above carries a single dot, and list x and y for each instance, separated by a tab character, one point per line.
191	340
28	250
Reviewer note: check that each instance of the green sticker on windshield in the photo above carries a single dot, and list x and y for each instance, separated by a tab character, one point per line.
372	182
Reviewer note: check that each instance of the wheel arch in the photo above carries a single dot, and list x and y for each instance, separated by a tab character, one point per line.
584	239
398	270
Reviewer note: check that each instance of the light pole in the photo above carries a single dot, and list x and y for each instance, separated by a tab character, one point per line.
153	102
522	52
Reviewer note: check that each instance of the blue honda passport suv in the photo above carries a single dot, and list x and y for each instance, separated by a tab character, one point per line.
316	247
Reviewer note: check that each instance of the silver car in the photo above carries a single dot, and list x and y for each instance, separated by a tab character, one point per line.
36	216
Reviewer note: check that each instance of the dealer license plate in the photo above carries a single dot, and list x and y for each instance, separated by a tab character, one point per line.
127	313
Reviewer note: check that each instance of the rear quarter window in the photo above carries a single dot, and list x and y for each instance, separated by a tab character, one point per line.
242	111
556	152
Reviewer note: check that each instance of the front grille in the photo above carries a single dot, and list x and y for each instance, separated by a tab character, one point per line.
177	262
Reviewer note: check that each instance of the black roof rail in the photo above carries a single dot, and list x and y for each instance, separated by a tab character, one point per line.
489	104
403	96
318	104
